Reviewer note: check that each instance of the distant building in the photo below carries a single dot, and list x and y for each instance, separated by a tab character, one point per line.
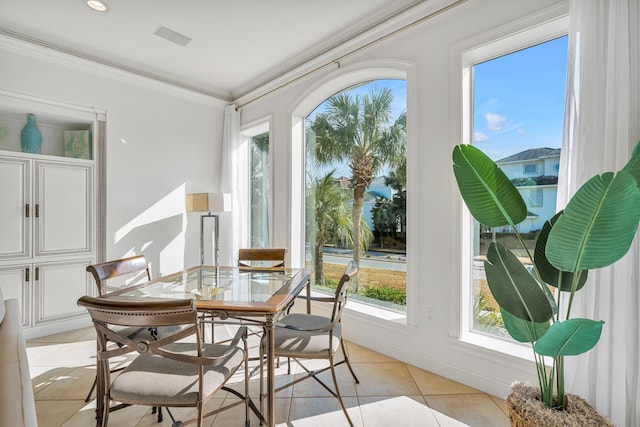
535	173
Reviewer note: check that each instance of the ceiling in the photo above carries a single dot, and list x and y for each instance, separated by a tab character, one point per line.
236	47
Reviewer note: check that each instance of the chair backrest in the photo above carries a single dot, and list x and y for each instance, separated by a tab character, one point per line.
110	315
119	267
261	258
340	297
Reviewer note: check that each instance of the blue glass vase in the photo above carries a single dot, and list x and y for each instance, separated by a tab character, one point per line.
30	137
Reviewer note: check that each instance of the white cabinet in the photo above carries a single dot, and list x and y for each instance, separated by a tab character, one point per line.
57	286
63	214
56	210
48	217
15	221
15	284
47	228
47	292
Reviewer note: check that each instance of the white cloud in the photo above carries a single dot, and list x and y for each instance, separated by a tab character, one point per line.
480	137
494	121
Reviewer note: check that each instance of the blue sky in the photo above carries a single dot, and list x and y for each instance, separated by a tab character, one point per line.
519	100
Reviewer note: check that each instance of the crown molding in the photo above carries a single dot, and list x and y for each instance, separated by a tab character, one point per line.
35	48
414	14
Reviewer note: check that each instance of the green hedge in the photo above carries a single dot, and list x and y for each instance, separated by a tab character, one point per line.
385	293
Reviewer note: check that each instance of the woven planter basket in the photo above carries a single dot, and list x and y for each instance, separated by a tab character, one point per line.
527	410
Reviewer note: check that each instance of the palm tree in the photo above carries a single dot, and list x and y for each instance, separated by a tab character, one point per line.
397	179
383	218
329	207
359	130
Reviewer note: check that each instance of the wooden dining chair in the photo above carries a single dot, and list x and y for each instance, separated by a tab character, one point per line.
300	336
125	272
252	259
133	268
178	370
261	258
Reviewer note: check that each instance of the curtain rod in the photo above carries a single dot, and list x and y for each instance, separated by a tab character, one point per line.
367	45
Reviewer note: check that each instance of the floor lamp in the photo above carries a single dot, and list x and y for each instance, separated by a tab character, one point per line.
208	203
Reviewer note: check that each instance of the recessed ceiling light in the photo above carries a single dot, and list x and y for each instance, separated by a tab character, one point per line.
98	5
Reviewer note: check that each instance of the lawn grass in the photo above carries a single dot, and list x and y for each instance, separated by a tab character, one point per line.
370	276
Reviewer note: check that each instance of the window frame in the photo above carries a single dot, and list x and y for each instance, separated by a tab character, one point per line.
248	131
539	28
536	197
340	79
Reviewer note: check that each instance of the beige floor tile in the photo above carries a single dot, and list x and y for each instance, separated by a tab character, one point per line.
385	411
501	404
361	354
73	354
388	394
311	388
182	414
86	417
235	417
477	410
130	416
54	413
43	376
62	383
254	384
384	379
430	383
323	412
84	334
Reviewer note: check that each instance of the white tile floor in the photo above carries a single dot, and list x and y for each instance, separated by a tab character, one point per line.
390	393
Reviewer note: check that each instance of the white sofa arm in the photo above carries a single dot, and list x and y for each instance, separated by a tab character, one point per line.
17	405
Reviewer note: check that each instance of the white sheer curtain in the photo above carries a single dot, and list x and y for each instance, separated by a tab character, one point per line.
233	180
601	129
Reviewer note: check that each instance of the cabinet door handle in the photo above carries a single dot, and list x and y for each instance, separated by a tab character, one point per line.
26	210
26	274
37	273
37	210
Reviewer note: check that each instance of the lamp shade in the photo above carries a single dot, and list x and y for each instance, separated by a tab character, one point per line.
209	202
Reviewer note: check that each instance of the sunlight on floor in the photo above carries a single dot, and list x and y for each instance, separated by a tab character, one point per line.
390	393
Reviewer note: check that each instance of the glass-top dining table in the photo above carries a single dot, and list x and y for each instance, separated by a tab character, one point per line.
259	296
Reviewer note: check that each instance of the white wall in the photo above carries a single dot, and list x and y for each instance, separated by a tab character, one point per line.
162	142
425	51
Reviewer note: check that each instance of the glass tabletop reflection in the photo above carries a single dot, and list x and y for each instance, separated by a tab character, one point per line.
217	287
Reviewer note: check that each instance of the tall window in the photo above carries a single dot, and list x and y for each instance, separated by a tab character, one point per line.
259	194
518	114
260	190
356	191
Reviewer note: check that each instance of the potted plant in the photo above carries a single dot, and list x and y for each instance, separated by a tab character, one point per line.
594	230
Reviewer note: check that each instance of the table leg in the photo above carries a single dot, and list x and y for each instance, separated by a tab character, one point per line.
271	377
309	297
99	393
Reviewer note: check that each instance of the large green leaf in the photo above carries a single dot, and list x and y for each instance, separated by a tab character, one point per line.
548	273
513	287
523	330
490	196
569	338
598	224
633	165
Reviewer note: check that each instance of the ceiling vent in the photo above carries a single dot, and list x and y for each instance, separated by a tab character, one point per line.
172	36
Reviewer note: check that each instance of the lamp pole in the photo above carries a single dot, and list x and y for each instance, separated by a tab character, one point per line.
215	237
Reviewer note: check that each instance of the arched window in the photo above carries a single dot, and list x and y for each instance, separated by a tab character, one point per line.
355	172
